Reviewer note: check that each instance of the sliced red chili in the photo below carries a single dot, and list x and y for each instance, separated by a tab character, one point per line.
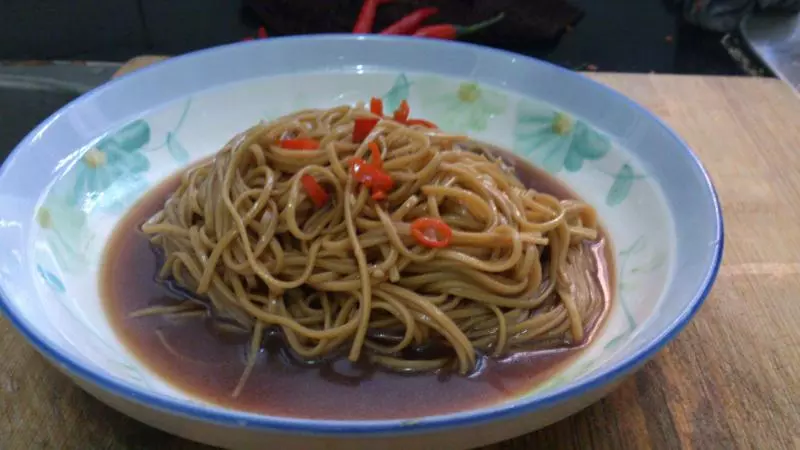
402	112
376	155
363	127
422	122
376	106
315	191
300	144
431	232
377	180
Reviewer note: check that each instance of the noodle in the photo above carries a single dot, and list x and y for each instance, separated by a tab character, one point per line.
243	232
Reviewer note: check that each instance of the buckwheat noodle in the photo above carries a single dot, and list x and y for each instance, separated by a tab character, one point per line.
241	233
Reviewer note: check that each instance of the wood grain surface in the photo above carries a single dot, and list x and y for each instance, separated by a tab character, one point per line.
731	380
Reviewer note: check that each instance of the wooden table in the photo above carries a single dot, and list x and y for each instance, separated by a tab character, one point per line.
730	380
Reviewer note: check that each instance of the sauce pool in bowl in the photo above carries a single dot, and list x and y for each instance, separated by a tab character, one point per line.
205	361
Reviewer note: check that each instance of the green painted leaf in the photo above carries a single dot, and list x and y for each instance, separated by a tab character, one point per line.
79	187
638	245
122	193
531	144
51	279
589	143
573	162
182	118
398	93
176	149
622	186
556	155
137	163
654	263
131	137
614	342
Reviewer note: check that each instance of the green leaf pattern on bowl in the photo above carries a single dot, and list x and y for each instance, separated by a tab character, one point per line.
396	94
106	178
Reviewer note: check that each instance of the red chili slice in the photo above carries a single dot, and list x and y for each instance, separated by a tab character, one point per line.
363	127
376	106
300	144
376	155
372	177
315	191
422	122
431	232
402	112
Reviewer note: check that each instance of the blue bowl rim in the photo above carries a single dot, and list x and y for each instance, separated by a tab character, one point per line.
373	427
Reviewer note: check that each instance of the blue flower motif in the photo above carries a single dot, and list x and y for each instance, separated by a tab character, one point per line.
555	140
468	107
109	176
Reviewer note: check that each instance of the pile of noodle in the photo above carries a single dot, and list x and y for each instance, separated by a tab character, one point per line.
241	234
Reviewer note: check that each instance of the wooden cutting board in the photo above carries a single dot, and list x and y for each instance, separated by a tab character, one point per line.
730	380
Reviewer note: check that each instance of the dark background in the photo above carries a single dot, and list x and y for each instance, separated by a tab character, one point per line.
613	35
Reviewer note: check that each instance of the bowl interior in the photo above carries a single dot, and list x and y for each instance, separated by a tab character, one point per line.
623	162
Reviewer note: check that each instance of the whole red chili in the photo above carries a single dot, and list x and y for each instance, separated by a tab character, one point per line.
261	33
366	18
410	23
449	31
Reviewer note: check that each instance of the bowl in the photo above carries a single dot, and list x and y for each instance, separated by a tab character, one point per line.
72	178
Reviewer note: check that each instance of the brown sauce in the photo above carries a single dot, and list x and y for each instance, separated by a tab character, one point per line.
191	355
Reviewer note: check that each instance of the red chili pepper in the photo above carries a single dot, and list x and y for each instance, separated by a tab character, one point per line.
431	232
449	31
411	22
402	112
423	122
260	34
376	155
366	18
300	144
377	180
314	190
363	127
376	106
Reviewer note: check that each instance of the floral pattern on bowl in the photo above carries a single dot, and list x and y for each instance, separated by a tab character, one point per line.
463	108
82	206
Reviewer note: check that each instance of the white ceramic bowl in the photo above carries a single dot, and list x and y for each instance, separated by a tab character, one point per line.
59	206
